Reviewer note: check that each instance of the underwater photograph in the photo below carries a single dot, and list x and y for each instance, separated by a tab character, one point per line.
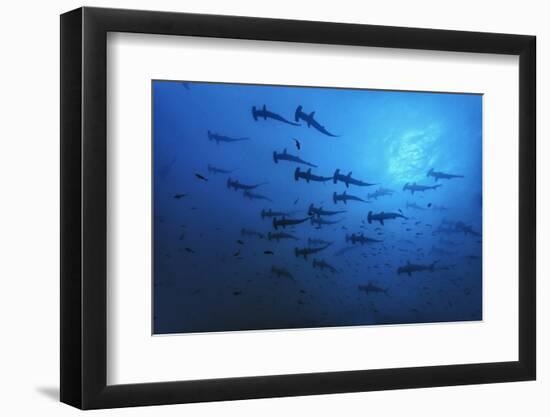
294	207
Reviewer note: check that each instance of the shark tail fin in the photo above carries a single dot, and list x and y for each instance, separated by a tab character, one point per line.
430	172
297	113
296	174
334	198
254	113
274	223
262	213
405	186
296	252
275	159
209	135
369	217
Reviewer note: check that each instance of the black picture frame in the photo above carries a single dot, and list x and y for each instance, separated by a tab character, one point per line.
84	207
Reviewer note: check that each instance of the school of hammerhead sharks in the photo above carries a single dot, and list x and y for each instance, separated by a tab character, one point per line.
283	223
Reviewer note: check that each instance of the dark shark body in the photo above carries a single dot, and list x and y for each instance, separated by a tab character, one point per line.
281	272
308	176
221	138
466	229
360	238
265	114
410	268
414	206
319	211
236	185
270	213
345	197
252	233
285	156
347	179
441	175
322	265
254	196
371	288
284	222
313	241
280	236
308	251
214	170
414	187
310	121
380	217
381	192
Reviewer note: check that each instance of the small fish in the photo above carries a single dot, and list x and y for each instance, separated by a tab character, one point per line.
298	145
268	252
296	201
240	242
429	204
178	196
237	253
200	177
189	250
237	292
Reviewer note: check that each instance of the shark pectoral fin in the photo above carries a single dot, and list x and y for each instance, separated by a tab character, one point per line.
382	222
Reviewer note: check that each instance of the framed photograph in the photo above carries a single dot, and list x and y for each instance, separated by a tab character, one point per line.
257	208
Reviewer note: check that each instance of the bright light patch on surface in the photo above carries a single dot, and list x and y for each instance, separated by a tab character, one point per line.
411	153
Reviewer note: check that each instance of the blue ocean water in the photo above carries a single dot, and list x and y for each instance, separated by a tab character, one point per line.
224	262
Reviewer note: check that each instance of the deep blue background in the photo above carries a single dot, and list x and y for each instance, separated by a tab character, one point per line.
386	137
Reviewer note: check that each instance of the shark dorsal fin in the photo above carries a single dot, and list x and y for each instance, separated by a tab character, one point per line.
344	193
309	171
312	114
284	151
264	108
349	175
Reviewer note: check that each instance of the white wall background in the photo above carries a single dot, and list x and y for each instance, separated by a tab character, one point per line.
29	226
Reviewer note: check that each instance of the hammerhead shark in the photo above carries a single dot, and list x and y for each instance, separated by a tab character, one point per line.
213	170
308	176
441	175
410	268
360	238
381	192
319	221
467	230
251	233
383	216
345	198
319	211
221	138
271	213
370	287
266	114
285	156
254	196
415	187
284	222
240	186
308	251
314	241
322	264
415	206
281	272
311	122
347	179
281	235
